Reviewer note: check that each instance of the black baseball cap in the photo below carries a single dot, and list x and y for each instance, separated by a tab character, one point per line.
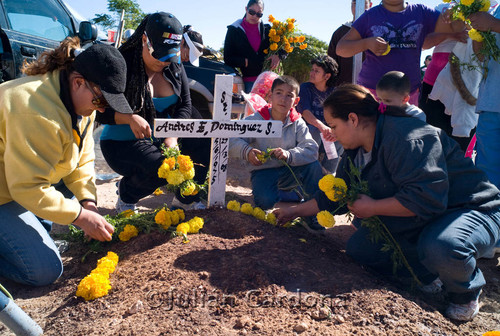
104	65
164	32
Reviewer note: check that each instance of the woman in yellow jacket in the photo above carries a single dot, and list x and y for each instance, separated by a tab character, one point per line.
46	122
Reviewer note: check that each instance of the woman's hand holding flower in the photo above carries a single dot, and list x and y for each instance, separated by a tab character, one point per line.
483	21
376	45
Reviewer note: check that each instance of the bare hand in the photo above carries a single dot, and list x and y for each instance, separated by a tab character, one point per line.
284	213
461	36
363	207
377	45
482	21
275	61
252	157
140	127
326	132
280	153
94	225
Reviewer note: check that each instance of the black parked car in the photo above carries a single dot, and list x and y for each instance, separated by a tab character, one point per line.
29	27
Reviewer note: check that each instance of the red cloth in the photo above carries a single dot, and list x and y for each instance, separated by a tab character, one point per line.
265	112
439	61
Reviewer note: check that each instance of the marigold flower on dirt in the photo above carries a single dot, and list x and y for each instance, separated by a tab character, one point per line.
182	228
259	213
127	213
107	266
475	35
181	214
163	219
195	224
129	231
271	218
233	205
325	219
112	256
175	177
93	286
247	209
492	333
174	217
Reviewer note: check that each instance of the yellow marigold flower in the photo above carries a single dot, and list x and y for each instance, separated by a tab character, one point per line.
233	205
460	16
325	219
158	192
466	2
272	32
275	38
388	50
259	213
326	183
276	23
175	177
127	213
195	224
181	214
475	35
265	51
271	218
163	219
338	191
492	333
129	231
271	18
301	38
93	286
167	165
106	266
188	187
182	228
112	256
289	50
247	209
303	46
273	47
262	157
185	163
291	26
284	39
446	1
189	175
174	217
486	6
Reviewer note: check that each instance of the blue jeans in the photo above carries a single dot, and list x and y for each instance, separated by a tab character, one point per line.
27	252
447	248
488	145
266	183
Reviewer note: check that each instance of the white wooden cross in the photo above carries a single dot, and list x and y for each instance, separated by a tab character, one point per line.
220	129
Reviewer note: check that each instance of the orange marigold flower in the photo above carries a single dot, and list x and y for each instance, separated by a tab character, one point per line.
303	46
301	38
273	46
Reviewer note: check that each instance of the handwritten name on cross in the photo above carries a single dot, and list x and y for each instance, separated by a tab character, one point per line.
220	129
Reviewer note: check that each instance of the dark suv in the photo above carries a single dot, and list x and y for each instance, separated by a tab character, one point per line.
29	27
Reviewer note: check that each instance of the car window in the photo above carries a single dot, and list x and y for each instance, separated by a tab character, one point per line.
44	18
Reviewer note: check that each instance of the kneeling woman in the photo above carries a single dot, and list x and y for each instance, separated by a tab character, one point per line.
440	208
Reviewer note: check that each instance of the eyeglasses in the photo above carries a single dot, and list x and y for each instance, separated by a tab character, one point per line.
252	12
98	101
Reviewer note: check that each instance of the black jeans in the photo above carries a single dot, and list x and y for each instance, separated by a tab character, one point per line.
138	162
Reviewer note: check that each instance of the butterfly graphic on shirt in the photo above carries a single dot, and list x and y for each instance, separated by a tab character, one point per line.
404	37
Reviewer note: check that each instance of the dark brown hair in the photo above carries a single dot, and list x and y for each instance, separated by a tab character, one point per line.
329	66
395	81
286	80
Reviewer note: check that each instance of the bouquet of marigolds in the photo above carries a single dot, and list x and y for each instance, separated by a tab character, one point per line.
283	39
461	10
337	191
178	170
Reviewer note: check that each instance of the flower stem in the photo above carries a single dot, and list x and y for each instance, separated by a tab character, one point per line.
306	195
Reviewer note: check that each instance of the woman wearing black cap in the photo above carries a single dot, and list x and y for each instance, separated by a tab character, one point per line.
157	86
46	141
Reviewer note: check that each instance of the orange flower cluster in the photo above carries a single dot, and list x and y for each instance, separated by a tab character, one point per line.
97	284
283	36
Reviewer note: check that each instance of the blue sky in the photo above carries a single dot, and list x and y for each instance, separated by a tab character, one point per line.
318	18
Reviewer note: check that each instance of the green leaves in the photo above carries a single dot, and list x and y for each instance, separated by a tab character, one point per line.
133	14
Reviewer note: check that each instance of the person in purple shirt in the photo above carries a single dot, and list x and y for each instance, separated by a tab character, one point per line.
392	34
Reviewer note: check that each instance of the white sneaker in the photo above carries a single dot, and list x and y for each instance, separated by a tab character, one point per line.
122	206
433	288
463	312
191	206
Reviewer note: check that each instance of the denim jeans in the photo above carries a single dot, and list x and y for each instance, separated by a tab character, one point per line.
27	252
488	145
266	183
447	247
